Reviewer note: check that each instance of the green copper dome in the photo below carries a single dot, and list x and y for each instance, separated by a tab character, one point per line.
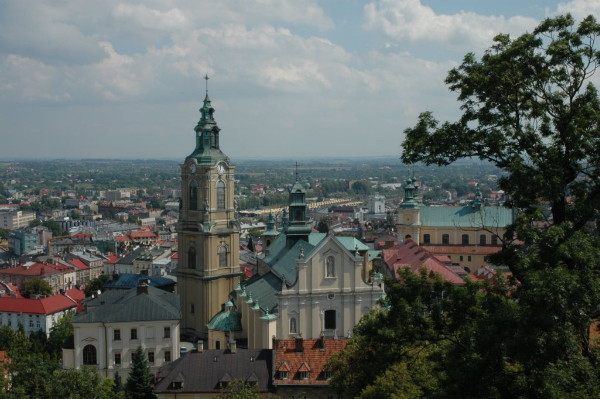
226	320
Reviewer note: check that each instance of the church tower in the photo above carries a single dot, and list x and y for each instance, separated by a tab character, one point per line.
208	231
408	222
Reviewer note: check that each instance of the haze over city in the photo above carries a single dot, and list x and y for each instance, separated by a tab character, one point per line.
302	78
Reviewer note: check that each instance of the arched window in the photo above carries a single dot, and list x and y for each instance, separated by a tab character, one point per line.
220	195
222	256
445	239
465	239
193	195
192	258
293	329
482	239
330	267
89	355
330	319
426	238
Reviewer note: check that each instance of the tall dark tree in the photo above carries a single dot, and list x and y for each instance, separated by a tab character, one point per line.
139	382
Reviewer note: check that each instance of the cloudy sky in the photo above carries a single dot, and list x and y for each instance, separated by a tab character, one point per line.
288	78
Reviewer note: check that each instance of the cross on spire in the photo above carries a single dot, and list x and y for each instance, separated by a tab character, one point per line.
296	170
206	78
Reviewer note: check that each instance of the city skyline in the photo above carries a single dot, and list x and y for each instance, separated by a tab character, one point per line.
304	79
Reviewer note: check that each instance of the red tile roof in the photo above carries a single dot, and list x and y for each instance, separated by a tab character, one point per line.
141	234
48	305
111	259
32	269
311	359
79	264
463	249
121	238
409	254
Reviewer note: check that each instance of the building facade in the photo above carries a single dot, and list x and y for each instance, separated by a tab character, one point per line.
114	324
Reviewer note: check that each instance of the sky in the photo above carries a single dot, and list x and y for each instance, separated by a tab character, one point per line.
289	79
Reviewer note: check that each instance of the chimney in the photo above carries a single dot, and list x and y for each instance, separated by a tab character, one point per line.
233	346
299	344
142	287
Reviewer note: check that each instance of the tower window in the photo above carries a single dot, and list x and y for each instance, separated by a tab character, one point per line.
482	239
222	256
426	238
192	258
330	319
465	239
445	239
220	195
89	355
193	197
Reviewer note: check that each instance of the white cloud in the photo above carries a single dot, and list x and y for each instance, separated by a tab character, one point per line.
410	20
579	8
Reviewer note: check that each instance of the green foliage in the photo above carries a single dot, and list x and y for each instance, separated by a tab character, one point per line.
239	389
361	188
4	233
323	225
97	284
139	382
529	108
36	286
59	333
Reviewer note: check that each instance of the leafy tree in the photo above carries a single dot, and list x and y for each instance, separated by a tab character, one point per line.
361	188
36	286
97	284
323	225
82	383
139	382
4	233
239	389
529	108
59	333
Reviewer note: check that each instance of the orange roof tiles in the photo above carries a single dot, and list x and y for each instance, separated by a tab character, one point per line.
311	360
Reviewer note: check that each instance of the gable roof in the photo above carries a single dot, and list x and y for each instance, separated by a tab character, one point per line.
204	371
311	359
409	254
127	306
45	306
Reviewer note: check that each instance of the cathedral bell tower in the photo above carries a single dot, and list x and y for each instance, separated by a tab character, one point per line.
208	230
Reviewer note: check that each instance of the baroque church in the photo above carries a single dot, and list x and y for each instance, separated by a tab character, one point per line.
308	285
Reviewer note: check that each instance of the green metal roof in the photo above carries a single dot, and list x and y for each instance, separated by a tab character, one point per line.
226	320
264	289
127	305
351	243
466	216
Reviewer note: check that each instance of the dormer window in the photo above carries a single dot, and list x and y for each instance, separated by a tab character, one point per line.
282	375
303	375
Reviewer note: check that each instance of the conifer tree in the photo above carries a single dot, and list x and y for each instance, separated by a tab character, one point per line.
139	382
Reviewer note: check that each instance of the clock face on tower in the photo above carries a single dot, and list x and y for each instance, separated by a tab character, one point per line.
221	168
193	168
